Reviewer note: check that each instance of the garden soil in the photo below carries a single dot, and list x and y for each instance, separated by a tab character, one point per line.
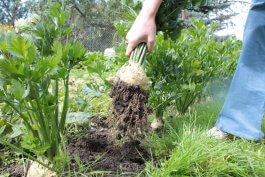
98	148
15	170
98	145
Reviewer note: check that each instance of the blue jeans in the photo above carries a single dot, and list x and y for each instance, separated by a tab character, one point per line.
244	106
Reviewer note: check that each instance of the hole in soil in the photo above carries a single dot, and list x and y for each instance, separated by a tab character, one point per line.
138	161
96	145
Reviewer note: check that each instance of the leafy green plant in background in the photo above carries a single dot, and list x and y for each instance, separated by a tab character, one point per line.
31	71
180	70
183	64
96	89
167	19
170	18
91	82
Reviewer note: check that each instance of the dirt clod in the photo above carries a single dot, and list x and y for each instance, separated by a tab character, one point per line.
129	109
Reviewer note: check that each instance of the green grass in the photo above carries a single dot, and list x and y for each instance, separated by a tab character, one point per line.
184	149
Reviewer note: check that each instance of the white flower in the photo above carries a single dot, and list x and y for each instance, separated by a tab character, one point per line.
20	24
109	52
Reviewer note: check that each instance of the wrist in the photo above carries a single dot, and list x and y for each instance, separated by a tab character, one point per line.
150	8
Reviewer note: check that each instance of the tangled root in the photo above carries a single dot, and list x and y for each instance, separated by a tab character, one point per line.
130	109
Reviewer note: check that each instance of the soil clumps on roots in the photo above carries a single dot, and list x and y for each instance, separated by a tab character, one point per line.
130	109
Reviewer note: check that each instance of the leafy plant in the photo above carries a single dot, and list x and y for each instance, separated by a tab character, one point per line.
31	72
96	89
167	19
179	70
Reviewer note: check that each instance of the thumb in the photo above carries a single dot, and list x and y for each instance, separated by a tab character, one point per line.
150	45
130	48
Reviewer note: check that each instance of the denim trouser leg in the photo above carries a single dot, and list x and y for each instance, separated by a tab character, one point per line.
243	109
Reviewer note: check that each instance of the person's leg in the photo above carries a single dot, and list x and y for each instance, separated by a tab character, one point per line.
243	109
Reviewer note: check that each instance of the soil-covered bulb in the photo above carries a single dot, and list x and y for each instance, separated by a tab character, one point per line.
130	101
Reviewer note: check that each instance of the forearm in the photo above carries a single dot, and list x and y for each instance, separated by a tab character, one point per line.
150	8
144	27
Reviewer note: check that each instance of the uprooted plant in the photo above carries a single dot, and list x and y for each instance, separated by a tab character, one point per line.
177	68
31	71
130	89
130	95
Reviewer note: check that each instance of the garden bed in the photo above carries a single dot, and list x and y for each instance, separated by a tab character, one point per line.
98	151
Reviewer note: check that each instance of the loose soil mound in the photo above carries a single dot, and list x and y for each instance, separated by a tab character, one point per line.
129	109
99	145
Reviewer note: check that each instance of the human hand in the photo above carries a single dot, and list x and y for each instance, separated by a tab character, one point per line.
142	30
144	27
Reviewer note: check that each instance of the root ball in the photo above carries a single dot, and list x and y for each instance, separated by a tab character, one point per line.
130	109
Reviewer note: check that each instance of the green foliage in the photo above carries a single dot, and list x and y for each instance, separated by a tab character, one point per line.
90	84
10	128
97	64
179	70
96	89
202	116
195	155
31	72
169	18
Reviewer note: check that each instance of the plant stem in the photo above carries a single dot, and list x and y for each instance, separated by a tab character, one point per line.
43	127
21	115
38	121
28	109
65	104
138	55
32	119
55	124
56	91
142	57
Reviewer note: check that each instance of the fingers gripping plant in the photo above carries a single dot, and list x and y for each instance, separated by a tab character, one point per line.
31	71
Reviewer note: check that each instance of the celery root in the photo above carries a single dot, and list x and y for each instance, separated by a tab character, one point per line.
129	95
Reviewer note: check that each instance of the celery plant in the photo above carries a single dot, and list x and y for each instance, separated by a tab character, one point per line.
31	72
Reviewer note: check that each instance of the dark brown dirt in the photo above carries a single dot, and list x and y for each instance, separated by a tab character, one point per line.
15	170
130	110
98	145
97	149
